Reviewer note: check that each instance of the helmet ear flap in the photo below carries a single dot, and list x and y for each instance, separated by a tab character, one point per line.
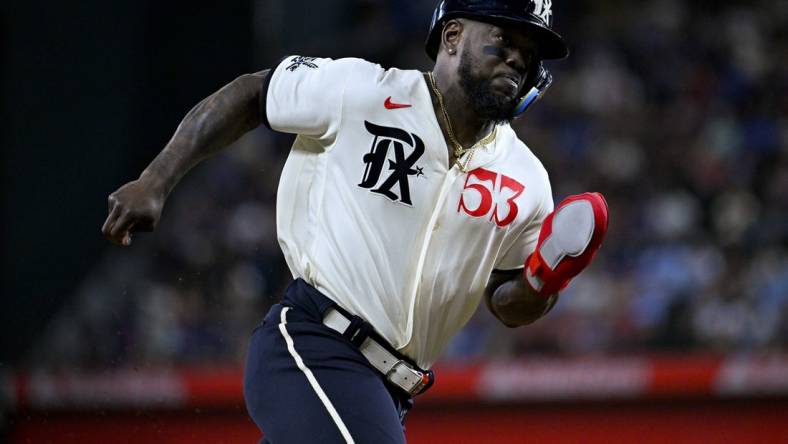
539	80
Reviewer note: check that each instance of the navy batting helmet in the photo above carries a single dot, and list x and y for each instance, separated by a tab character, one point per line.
534	15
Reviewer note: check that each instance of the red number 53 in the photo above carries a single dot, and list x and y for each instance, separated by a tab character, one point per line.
484	193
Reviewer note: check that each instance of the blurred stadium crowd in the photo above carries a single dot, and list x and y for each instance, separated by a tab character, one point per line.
678	113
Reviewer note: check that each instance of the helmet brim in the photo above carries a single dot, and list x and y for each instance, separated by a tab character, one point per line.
550	44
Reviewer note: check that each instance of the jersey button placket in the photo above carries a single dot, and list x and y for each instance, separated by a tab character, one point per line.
431	227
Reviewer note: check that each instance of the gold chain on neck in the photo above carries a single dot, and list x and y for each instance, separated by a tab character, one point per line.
459	151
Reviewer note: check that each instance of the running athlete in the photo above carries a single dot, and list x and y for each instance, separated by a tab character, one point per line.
405	200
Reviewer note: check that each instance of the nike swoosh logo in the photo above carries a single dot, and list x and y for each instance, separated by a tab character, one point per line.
391	105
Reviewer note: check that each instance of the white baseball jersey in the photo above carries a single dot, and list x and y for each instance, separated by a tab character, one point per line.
370	212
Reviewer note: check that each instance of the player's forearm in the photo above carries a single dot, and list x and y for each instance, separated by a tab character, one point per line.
214	123
515	303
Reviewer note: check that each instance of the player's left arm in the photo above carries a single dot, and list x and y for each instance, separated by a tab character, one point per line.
569	238
513	301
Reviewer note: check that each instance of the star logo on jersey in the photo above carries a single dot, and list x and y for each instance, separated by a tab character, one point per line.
391	105
394	151
299	61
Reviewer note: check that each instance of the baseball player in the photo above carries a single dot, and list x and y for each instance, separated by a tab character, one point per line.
405	200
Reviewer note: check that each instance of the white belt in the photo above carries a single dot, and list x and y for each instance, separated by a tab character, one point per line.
397	371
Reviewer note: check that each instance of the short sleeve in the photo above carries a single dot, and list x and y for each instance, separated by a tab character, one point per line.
525	243
304	95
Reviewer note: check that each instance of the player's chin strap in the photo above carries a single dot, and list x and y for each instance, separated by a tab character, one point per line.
540	85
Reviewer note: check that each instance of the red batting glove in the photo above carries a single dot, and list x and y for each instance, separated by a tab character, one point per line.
570	237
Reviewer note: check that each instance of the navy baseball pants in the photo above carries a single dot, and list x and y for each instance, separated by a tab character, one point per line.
306	383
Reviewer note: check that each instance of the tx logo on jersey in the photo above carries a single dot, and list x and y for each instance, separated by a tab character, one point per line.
388	152
487	193
299	61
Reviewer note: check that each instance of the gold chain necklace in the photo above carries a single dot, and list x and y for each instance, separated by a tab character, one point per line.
459	151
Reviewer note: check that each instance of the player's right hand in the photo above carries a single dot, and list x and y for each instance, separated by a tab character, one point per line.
135	206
